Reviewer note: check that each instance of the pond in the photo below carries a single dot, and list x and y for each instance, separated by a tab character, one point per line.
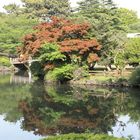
33	110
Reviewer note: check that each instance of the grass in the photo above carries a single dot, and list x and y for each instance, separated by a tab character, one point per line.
85	136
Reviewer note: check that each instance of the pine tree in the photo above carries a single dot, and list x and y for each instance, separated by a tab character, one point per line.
46	8
105	26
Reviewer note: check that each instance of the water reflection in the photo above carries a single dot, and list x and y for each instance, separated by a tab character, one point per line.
49	109
66	109
10	115
12	131
21	77
128	129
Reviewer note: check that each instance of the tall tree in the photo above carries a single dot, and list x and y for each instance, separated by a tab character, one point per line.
11	31
135	27
46	8
106	26
61	42
13	9
127	18
70	39
132	50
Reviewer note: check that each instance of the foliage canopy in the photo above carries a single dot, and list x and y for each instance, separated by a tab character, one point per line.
61	41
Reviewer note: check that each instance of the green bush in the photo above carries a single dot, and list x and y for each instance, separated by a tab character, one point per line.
73	136
135	77
4	61
62	74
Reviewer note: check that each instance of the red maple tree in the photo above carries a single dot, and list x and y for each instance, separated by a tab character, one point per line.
70	36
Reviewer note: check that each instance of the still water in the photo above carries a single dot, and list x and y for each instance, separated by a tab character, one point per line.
33	110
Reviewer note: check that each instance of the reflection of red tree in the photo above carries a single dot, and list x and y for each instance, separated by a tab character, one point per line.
75	119
33	122
70	36
74	123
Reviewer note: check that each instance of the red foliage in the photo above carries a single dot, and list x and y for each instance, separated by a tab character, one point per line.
82	46
69	35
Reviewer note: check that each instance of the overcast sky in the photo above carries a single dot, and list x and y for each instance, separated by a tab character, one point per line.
130	4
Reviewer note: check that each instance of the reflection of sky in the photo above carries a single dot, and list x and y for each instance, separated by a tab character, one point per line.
131	129
12	131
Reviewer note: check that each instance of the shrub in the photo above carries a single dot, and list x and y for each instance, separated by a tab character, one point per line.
4	61
63	73
73	136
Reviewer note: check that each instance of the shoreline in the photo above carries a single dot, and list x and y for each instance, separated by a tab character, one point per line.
119	82
104	81
116	84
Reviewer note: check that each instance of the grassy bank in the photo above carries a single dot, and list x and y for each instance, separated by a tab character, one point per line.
102	80
128	79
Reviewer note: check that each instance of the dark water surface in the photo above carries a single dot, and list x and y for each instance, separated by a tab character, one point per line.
31	111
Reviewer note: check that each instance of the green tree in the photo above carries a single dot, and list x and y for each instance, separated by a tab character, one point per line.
12	29
106	26
127	18
132	50
46	8
13	9
129	54
135	27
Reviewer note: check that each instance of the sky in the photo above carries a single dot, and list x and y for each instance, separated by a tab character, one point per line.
130	4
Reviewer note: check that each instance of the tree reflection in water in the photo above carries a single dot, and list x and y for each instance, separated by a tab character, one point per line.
48	110
66	109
